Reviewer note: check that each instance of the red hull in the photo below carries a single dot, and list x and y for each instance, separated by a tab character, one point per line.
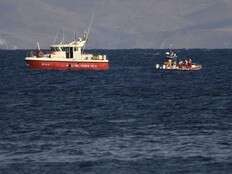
63	65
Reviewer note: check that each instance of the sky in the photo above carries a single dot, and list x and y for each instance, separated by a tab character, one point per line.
117	24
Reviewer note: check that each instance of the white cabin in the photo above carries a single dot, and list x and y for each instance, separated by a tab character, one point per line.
70	51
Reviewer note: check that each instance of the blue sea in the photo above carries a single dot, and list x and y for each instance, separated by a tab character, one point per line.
132	119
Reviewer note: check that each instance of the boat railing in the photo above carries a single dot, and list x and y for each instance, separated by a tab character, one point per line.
94	57
99	57
37	53
30	54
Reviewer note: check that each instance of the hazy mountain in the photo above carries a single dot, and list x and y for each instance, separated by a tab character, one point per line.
118	23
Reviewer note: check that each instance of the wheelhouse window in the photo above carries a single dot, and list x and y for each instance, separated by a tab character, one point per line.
55	49
65	49
76	49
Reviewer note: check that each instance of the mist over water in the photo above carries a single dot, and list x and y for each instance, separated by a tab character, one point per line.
130	119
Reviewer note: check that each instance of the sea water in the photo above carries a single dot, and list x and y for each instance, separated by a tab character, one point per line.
130	119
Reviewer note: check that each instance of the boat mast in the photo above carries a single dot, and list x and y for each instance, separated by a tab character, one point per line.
75	36
38	45
62	36
89	28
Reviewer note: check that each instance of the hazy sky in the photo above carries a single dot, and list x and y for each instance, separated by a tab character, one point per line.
118	23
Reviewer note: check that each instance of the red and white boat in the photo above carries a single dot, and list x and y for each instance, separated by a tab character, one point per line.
67	56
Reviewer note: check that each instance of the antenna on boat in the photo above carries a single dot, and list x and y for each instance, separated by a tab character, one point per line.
62	36
38	45
59	37
75	36
90	25
55	38
89	28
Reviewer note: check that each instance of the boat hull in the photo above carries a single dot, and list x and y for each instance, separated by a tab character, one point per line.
67	65
194	67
